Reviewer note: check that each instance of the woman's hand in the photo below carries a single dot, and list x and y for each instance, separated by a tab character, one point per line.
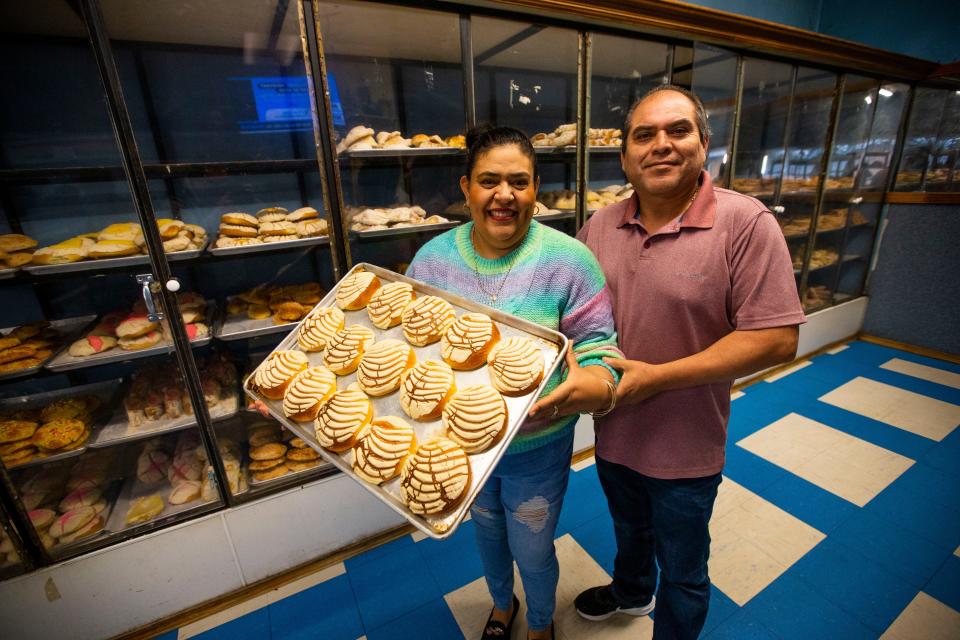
584	390
259	407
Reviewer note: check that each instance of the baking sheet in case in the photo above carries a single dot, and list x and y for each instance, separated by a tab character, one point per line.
105	390
63	361
400	231
553	345
68	328
269	246
402	151
5	274
119	429
109	263
239	326
323	466
133	489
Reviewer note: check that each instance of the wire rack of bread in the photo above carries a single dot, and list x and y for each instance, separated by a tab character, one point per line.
363	138
566	135
121	240
271	224
280	303
395	217
566	199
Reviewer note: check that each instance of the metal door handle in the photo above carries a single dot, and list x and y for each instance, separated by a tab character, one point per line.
145	280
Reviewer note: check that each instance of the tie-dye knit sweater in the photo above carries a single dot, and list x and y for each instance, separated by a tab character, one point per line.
554	281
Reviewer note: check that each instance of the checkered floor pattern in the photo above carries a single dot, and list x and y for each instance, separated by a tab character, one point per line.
838	517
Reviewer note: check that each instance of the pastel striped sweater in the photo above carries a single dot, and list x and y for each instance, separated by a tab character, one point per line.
555	281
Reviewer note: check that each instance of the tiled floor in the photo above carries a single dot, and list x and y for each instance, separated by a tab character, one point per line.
838	517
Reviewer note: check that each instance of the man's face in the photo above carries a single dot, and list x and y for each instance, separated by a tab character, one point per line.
664	155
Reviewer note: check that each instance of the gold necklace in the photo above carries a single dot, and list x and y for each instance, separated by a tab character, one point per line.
476	272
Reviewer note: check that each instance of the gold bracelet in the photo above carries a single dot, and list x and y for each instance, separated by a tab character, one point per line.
612	403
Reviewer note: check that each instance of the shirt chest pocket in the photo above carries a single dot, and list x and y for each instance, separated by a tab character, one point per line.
679	276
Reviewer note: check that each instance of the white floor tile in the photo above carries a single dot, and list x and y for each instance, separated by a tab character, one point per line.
736	394
837	350
846	466
926	618
471	603
922	371
263	600
753	542
919	414
788	371
418	535
583	464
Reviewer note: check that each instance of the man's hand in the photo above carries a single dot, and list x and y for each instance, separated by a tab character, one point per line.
638	380
583	391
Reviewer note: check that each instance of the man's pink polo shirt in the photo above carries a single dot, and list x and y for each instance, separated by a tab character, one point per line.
724	265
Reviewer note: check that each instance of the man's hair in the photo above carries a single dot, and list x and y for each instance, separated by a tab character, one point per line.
700	111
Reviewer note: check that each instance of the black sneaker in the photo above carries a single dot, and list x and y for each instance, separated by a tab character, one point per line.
599	603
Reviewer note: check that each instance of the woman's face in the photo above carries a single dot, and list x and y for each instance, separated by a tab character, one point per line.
502	195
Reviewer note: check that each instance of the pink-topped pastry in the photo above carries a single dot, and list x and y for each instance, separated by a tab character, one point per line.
71	521
277	371
184	492
152	465
42	518
86	480
196	330
79	498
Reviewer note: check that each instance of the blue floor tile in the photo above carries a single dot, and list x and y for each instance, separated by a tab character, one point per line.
379	551
944	455
396	584
916	385
740	626
455	561
794	611
860	587
253	626
583	502
945	585
597	539
750	470
327	610
894	548
914	512
721	609
169	635
934	485
815	506
432	621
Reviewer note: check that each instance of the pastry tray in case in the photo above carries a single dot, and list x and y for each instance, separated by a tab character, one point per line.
553	345
269	246
414	228
119	430
110	495
240	326
133	489
63	361
402	151
68	328
105	390
109	263
5	274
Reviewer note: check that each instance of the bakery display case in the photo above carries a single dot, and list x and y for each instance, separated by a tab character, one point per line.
517	85
11	546
930	158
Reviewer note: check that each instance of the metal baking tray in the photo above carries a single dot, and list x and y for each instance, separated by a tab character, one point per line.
269	246
118	429
105	390
399	231
63	361
412	151
68	328
6	274
561	214
241	327
323	466
133	489
553	344
109	263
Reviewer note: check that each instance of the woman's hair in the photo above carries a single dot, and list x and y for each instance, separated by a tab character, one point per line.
484	137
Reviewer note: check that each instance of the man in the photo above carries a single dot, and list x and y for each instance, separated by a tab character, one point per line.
703	293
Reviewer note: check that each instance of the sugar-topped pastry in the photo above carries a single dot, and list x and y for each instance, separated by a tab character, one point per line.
436	477
343	420
346	348
476	417
387	305
425	319
426	388
516	366
276	372
380	454
382	366
355	291
319	327
468	341
307	393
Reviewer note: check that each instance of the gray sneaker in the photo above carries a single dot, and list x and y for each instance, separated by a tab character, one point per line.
599	603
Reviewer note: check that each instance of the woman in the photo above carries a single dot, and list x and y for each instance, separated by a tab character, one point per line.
507	260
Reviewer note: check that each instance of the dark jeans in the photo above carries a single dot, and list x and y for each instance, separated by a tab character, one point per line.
666	521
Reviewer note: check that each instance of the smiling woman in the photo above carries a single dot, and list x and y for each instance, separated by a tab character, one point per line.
505	259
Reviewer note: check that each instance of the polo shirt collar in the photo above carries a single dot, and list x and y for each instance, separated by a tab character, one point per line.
700	215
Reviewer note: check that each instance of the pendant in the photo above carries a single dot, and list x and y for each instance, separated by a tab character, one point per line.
493	299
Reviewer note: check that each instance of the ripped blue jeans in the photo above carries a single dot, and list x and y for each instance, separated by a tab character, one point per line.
515	517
